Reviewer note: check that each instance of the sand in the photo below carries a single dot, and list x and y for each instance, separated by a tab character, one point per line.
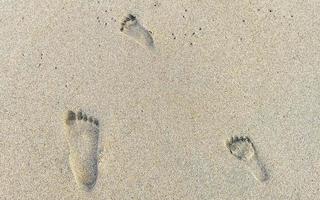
218	69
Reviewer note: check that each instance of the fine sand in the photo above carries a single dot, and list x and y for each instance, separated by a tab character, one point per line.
190	100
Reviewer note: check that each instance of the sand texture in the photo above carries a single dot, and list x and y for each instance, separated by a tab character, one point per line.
156	100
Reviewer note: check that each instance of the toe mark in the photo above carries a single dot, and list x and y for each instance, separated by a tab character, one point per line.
79	115
71	115
96	122
85	118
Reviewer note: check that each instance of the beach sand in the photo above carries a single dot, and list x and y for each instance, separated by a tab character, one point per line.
216	69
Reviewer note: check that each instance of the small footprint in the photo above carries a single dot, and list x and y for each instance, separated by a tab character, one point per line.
82	136
131	27
243	149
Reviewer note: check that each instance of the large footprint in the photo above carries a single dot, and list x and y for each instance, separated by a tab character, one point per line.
82	135
131	27
243	149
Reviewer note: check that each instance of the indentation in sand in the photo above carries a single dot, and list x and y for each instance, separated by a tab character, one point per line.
82	136
243	149
132	28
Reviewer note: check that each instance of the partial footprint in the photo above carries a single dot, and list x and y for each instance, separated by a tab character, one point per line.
243	149
83	135
131	27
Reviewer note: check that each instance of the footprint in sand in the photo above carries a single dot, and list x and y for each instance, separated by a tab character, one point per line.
132	28
82	136
243	149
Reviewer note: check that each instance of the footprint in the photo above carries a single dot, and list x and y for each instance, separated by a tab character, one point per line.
131	27
243	149
82	136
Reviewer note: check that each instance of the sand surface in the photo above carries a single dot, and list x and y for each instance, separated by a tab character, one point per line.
219	69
